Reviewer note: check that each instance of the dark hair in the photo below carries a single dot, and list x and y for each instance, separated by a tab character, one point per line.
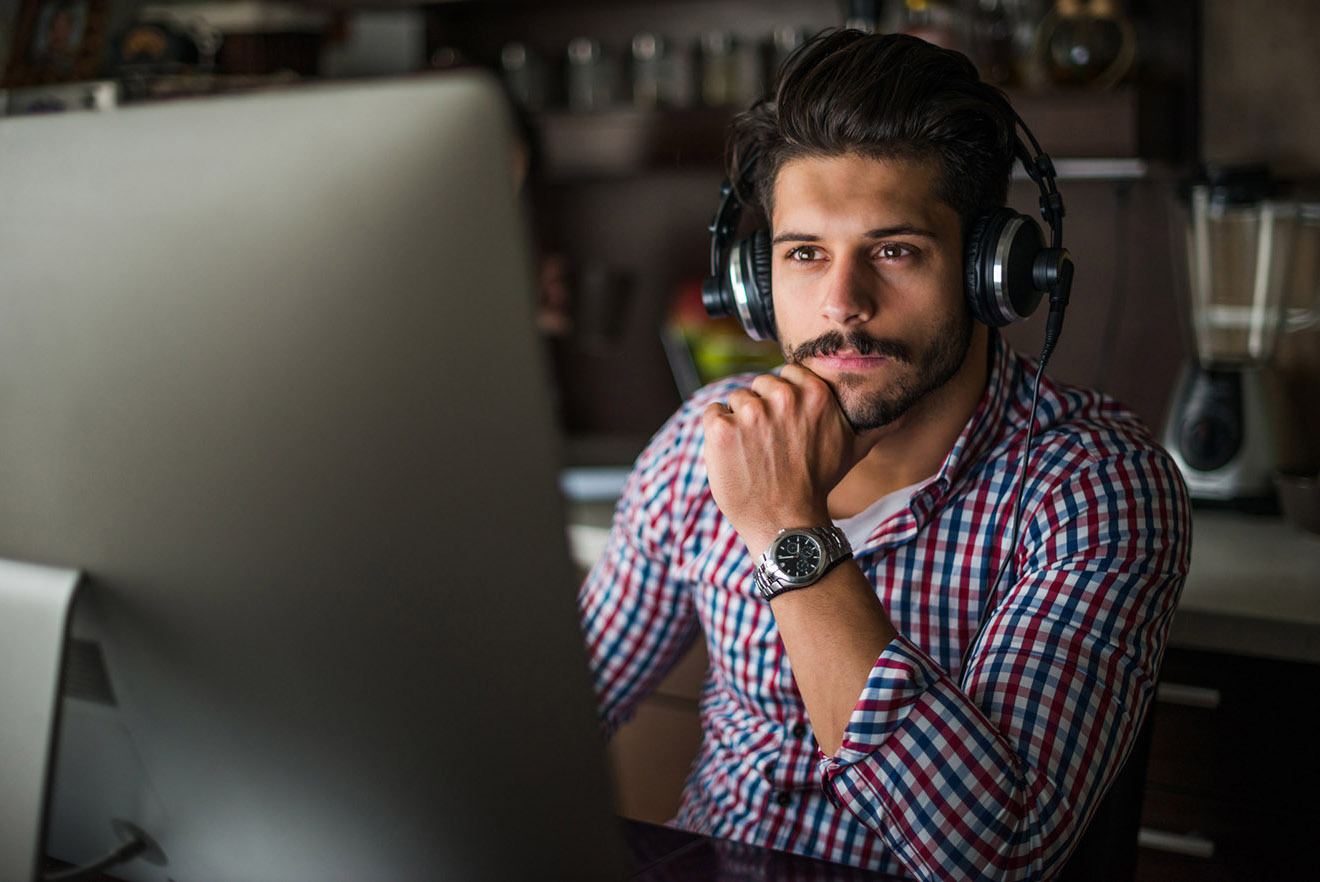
881	96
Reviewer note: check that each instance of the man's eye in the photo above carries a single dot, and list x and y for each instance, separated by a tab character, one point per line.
892	251
803	253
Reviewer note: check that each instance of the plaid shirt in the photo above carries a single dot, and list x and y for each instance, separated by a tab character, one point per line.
947	771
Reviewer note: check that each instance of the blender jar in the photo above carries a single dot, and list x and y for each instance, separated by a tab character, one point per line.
1238	256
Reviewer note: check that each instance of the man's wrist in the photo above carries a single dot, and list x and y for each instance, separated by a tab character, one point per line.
758	538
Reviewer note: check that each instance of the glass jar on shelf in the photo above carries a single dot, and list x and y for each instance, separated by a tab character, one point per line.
723	71
654	72
1000	35
1086	43
590	77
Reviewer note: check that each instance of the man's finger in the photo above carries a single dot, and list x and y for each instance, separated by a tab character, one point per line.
742	398
772	388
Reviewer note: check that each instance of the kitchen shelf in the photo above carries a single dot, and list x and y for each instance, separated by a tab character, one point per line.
1094	169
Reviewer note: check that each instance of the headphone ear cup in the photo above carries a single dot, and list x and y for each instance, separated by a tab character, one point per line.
749	282
975	247
759	254
1001	252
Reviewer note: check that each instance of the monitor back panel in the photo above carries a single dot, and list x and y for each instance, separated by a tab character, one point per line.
269	376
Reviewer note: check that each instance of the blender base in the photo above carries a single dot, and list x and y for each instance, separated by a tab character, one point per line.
1219	433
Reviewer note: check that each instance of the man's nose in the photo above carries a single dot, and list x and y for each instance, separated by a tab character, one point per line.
848	297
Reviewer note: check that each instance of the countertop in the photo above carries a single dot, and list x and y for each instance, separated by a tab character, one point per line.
1253	588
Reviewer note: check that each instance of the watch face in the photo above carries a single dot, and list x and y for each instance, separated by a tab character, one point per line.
798	555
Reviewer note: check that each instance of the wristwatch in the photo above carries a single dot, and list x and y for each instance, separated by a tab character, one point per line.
798	557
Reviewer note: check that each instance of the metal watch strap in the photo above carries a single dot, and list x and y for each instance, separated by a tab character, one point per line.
770	580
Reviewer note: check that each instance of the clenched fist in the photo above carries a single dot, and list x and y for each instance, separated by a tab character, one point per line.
775	451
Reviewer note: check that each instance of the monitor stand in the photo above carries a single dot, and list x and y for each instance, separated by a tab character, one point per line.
35	602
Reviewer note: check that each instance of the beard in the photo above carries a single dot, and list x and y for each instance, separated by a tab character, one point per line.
921	372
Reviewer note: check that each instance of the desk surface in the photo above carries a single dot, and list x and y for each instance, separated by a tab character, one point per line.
663	854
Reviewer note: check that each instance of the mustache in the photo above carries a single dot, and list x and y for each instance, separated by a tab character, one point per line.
860	342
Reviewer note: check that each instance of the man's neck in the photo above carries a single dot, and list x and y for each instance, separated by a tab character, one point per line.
914	446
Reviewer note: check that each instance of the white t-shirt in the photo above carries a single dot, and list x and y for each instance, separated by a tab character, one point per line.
860	526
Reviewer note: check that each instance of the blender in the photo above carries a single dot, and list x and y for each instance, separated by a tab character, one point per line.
1221	430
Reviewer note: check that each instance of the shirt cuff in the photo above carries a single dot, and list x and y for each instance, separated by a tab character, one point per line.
901	675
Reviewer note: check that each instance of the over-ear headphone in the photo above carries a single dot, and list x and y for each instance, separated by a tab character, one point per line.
1008	267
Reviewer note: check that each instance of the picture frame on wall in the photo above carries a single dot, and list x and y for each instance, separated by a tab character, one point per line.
56	41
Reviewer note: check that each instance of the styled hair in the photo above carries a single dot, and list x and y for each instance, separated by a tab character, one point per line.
890	96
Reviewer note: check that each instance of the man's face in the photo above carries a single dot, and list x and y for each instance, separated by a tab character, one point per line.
867	281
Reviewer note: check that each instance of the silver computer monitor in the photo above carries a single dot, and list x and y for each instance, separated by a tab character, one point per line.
269	381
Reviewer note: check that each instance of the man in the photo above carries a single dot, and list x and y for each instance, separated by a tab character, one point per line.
866	718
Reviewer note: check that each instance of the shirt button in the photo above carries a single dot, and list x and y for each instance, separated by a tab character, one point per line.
800	730
783	797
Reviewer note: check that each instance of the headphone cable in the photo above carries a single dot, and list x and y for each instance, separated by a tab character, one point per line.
1018	502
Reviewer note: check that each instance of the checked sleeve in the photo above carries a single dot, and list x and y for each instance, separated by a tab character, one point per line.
637	618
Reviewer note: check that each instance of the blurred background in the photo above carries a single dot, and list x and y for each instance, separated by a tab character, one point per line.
624	106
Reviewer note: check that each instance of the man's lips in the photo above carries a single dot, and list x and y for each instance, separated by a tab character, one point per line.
849	361
853	351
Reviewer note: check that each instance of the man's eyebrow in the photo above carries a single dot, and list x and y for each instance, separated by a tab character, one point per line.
878	233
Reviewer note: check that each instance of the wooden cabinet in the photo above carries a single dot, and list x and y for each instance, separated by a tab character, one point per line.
1233	772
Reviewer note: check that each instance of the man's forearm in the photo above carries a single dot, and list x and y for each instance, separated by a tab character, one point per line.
833	633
